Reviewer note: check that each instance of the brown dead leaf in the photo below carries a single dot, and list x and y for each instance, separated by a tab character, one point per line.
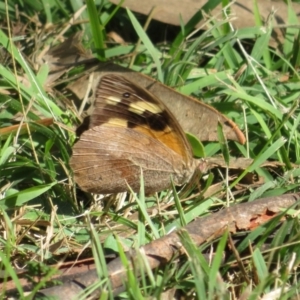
194	116
63	56
173	11
5	131
241	163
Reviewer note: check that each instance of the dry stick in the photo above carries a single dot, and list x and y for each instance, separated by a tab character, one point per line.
6	131
243	216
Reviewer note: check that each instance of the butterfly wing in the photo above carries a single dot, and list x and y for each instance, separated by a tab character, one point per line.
106	159
130	130
139	110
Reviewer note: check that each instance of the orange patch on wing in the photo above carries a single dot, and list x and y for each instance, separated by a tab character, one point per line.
168	137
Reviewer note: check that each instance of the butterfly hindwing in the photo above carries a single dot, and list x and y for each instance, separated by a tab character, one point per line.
106	159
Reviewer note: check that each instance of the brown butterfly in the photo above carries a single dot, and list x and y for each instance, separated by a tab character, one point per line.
130	130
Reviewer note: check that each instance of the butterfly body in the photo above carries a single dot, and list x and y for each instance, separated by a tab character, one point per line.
130	131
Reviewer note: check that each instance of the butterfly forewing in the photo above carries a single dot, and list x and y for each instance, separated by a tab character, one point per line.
121	101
